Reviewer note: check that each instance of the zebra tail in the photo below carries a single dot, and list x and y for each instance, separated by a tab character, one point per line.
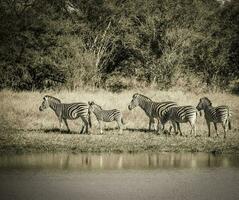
89	119
123	121
229	124
200	113
229	120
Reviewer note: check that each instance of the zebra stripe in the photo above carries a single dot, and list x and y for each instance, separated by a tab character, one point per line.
106	115
181	114
152	109
220	114
69	111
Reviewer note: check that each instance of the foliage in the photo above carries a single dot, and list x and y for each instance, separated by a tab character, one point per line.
74	43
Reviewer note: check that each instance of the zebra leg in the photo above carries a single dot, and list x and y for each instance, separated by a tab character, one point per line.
60	123
158	125
150	123
85	127
178	125
215	126
66	125
100	126
162	125
191	131
174	127
120	125
208	126
224	125
193	128
82	129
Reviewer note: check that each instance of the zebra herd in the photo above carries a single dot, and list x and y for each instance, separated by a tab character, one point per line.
161	111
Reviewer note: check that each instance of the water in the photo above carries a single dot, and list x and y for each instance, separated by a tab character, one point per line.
119	176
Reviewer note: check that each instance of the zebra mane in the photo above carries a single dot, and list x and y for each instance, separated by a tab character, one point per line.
93	103
207	100
53	98
137	94
99	106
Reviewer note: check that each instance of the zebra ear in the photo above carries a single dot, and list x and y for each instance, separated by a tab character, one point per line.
208	100
89	102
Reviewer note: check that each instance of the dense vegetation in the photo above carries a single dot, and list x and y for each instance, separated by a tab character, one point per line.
118	43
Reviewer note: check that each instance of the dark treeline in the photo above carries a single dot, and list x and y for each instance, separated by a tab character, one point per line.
118	43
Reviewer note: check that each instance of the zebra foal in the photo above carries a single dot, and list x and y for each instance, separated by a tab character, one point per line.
220	114
152	109
69	111
106	115
181	114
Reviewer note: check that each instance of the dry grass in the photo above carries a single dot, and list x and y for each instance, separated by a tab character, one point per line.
24	128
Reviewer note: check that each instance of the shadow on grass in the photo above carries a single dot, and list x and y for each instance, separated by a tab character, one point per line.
142	130
57	130
130	129
50	130
111	129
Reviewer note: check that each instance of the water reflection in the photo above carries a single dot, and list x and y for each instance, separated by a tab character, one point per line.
69	161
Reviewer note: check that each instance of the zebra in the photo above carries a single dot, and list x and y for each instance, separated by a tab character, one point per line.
220	114
152	109
69	111
106	115
181	114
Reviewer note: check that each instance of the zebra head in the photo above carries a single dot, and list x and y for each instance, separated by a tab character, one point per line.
49	101
138	100
45	104
203	103
134	102
93	106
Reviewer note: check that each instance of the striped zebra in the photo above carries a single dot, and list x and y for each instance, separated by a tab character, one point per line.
181	114
69	111
220	114
106	115
152	109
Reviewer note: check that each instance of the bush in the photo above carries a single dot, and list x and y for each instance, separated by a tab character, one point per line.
48	44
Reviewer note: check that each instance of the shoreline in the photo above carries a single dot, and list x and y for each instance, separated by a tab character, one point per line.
46	141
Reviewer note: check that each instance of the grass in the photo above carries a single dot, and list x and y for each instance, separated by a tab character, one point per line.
24	129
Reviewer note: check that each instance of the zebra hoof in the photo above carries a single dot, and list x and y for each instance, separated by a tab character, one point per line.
166	132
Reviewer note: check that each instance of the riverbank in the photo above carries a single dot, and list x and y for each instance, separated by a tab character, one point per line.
24	129
130	141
